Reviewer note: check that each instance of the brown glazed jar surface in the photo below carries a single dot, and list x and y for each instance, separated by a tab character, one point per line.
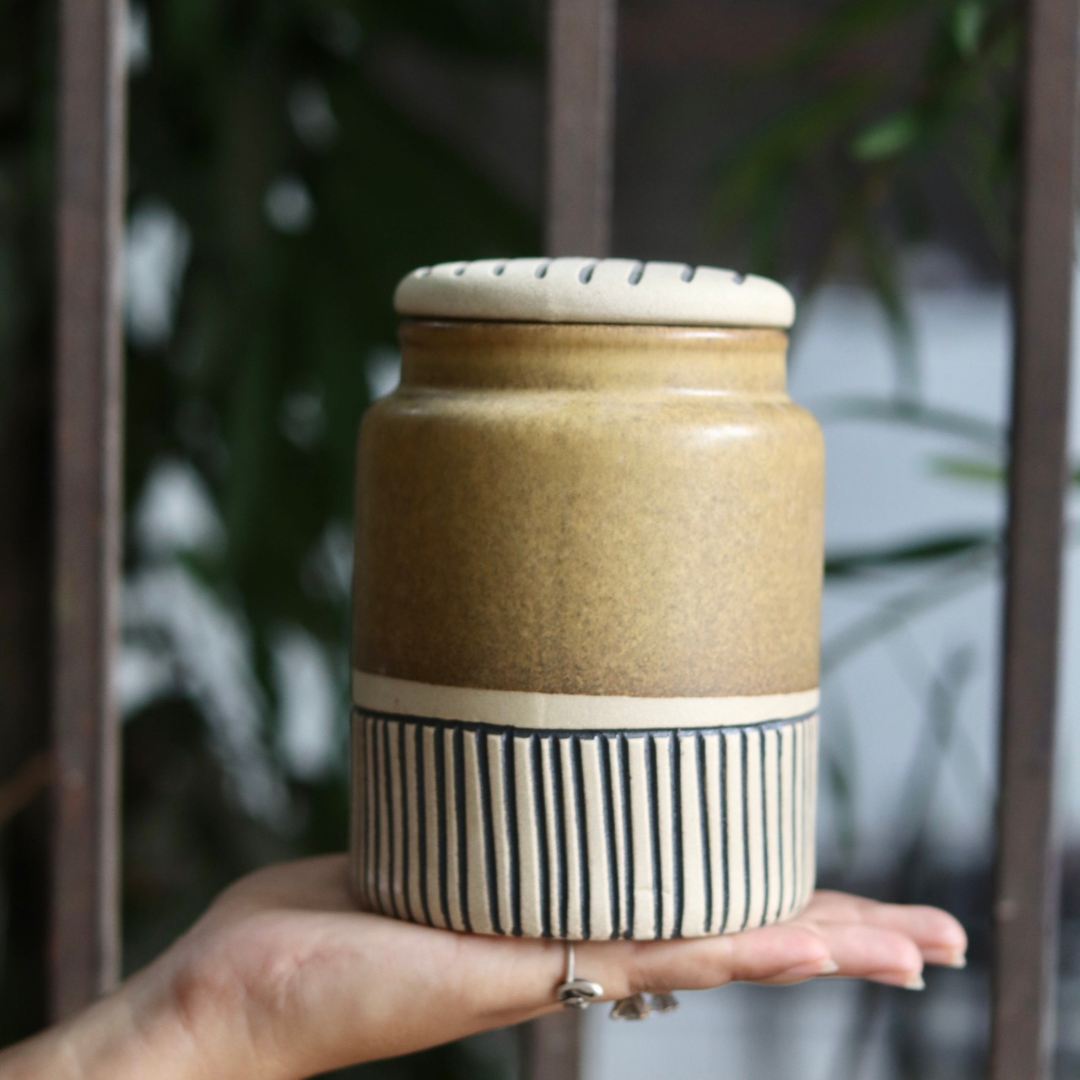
590	509
587	585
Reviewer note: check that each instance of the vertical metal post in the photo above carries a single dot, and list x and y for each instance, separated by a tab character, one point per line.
1026	887
87	502
580	153
580	126
551	1047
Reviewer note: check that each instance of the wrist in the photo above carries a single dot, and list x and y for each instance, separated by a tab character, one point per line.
132	1034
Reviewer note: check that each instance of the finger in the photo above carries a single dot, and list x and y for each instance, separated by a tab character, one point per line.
784	952
939	936
871	952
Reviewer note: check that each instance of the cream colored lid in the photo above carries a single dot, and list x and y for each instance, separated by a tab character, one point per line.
580	290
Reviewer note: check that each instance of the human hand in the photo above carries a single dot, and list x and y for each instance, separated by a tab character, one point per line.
283	978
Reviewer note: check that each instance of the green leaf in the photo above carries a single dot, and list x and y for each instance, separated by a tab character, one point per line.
985	472
930	550
888	137
755	174
967	24
972	469
914	414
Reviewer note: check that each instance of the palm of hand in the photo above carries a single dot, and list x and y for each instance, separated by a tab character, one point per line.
313	984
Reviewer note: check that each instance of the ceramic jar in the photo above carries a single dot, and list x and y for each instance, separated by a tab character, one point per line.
586	603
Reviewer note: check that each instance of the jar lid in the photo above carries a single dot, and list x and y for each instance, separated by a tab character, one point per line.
578	290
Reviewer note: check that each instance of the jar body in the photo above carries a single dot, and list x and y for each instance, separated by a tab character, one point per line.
585	641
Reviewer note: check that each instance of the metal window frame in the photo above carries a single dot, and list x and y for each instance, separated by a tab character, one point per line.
88	506
1027	872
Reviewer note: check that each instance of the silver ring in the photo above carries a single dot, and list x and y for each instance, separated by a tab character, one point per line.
640	1006
665	1002
576	993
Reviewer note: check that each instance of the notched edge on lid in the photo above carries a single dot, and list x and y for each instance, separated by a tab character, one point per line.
589	290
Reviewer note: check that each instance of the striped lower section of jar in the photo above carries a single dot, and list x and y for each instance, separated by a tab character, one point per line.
584	834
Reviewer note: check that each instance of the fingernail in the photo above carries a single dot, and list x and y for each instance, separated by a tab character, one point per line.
828	966
905	979
954	958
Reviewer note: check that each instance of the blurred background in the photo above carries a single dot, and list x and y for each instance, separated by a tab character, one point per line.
289	160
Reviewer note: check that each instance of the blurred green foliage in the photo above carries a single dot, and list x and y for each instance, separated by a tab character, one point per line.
292	197
261	383
868	128
295	195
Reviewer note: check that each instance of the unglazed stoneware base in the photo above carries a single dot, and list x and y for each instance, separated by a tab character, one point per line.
563	830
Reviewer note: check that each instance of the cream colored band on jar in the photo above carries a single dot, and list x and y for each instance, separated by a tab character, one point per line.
572	712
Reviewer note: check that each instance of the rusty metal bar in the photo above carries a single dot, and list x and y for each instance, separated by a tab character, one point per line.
85	942
551	1047
580	126
1027	873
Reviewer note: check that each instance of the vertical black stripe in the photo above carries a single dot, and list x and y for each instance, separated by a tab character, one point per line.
376	790
441	812
761	736
543	856
388	781
800	810
458	750
509	760
358	797
725	842
783	883
743	738
367	810
703	817
360	794
583	836
796	790
628	831
356	849
373	805
560	835
798	830
798	824
652	798
603	753
488	813
421	823
677	884
403	773
805	882
365	805
373	802
810	784
797	834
